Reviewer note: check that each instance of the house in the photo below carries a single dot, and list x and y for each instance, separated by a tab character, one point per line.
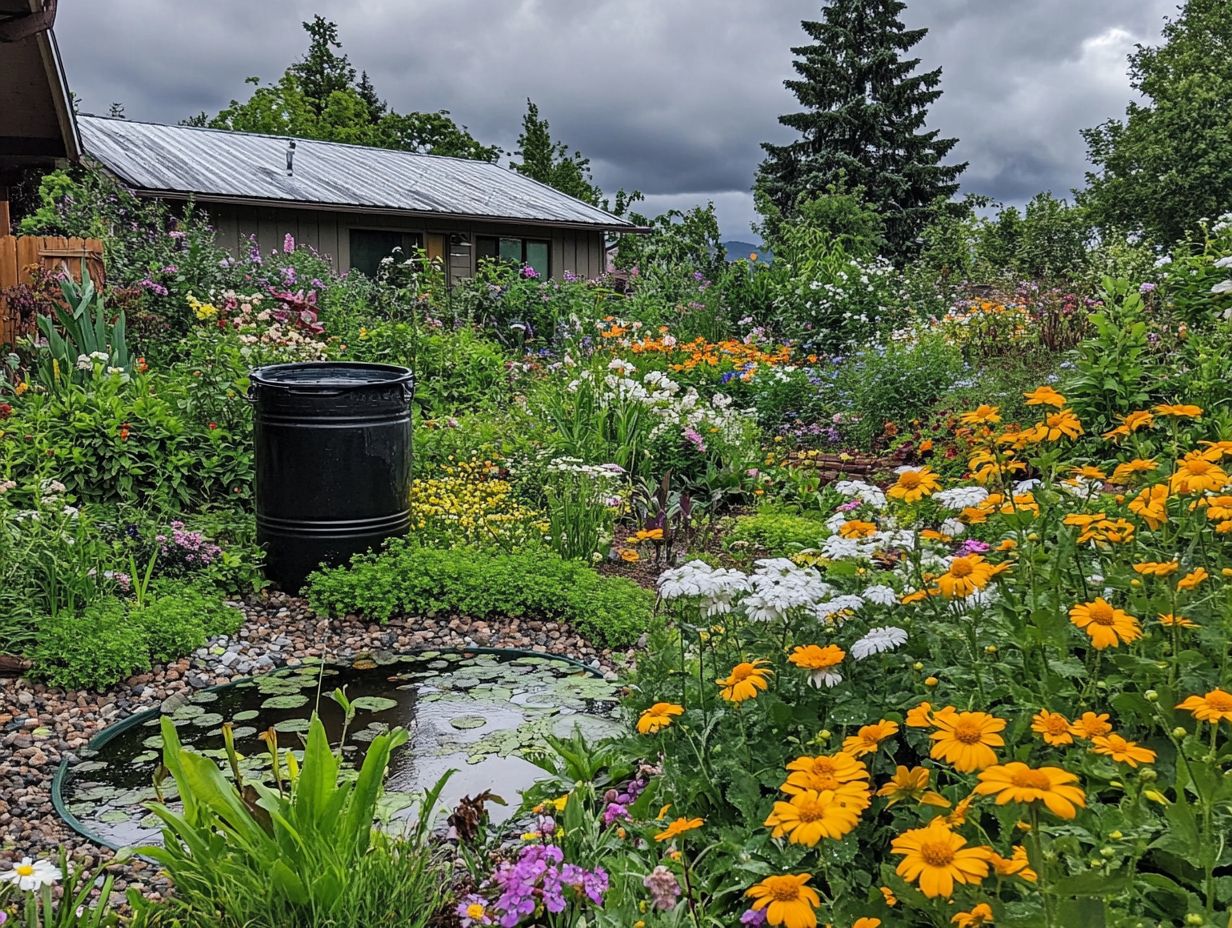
355	203
36	116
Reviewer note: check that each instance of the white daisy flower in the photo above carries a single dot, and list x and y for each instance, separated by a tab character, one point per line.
877	640
953	527
838	548
31	876
845	603
959	498
820	678
870	494
880	595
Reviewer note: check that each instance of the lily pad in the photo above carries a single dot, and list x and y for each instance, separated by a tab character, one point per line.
374	703
292	725
467	722
287	701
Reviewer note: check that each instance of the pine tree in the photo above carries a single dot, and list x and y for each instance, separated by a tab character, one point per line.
321	71
862	128
550	162
367	93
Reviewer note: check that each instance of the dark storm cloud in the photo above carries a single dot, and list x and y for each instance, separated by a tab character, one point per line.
671	97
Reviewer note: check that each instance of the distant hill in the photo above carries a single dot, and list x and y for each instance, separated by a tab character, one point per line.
737	251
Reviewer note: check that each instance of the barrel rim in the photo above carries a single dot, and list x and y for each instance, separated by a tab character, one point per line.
394	375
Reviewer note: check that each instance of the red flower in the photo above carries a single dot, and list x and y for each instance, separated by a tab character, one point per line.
5	410
212	426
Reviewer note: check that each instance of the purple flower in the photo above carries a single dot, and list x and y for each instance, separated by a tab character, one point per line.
664	890
694	437
178	235
972	546
1146	288
288	275
529	272
288	244
156	288
754	917
473	910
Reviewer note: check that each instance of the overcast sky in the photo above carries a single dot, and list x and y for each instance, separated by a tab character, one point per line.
671	97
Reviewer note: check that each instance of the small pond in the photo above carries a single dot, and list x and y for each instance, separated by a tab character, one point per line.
478	713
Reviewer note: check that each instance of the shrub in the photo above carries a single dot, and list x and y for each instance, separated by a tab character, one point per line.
181	618
406	579
778	532
93	649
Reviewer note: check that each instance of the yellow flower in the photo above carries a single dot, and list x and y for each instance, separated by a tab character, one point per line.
1122	473
867	739
981	415
912	784
1122	751
787	900
1016	782
1053	727
854	528
1106	625
1179	411
964	576
1089	726
914	484
825	772
658	717
811	815
648	534
1060	424
866	921
679	827
819	661
966	739
1151	505
629	555
1214	707
1016	864
921	716
21	388
744	681
1192	579
1131	423
1045	396
979	916
888	895
1197	473
1169	620
936	858
1157	568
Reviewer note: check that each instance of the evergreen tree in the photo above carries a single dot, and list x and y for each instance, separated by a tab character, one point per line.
367	93
550	162
321	71
863	123
1168	164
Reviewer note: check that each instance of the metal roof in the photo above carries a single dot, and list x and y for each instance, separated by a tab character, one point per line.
215	165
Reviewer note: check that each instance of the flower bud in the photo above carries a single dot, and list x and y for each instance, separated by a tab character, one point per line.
931	681
1116	836
990	649
1151	696
1193	918
1107	852
1179	732
1148	775
917	666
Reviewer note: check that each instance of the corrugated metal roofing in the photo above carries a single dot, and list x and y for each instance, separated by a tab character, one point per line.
217	164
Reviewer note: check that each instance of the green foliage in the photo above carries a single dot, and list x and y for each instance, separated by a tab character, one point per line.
780	533
180	618
50	217
244	855
81	339
832	217
887	383
1111	376
1167	164
90	650
406	579
862	126
679	244
318	98
550	162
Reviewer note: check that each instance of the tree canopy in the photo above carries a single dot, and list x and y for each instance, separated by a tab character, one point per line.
1168	163
318	97
862	127
550	162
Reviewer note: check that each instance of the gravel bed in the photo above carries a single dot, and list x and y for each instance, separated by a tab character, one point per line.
39	726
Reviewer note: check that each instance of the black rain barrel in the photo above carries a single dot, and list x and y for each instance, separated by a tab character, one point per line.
333	462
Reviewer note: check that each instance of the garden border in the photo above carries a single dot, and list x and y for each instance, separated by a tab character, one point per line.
63	775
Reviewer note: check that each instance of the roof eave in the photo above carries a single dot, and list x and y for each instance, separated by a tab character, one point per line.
381	210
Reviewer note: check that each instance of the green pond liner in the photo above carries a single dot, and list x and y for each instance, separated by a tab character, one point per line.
276	693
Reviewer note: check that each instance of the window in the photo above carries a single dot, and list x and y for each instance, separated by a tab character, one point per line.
370	246
520	251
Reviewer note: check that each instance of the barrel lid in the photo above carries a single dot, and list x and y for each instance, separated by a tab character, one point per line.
331	375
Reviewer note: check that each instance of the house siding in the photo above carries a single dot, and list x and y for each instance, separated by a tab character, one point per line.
578	251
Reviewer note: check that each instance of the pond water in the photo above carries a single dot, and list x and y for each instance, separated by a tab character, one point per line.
478	713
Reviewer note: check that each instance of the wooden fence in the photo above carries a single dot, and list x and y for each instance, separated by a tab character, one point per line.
21	254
